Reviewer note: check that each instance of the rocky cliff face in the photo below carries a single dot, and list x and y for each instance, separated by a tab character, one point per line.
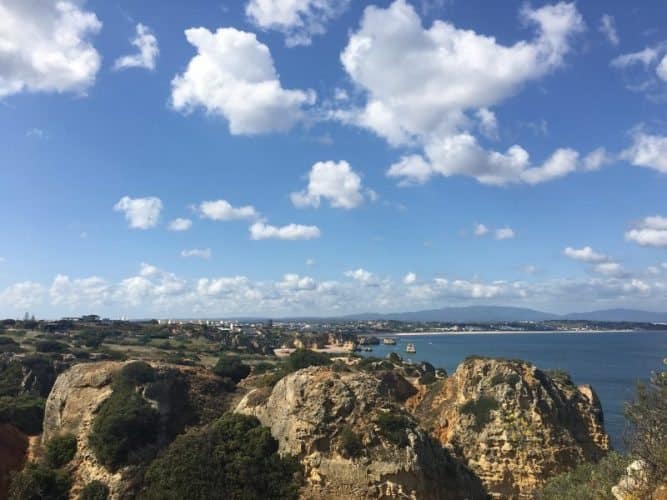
13	454
513	425
182	395
318	414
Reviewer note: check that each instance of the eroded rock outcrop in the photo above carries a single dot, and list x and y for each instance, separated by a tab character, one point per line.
182	395
13	454
514	425
315	413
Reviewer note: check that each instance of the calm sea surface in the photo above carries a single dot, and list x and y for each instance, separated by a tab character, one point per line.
611	362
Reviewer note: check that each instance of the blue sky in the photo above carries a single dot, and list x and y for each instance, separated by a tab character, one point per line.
356	156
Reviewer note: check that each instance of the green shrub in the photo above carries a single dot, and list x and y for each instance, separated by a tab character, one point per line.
511	379
125	424
233	458
262	367
395	358
646	416
25	412
11	377
368	363
428	378
7	340
393	427
95	490
60	450
37	482
587	481
303	358
134	374
231	368
481	409
50	346
560	376
350	443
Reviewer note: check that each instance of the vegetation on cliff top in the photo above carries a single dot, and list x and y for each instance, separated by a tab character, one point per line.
126	424
233	458
38	482
60	451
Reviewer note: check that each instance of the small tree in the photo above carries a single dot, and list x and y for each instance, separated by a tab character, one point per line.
232	368
646	416
95	490
60	450
37	482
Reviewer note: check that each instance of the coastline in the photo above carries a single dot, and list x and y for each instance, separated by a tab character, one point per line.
505	332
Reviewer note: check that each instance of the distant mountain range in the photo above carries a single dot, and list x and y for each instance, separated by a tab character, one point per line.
484	314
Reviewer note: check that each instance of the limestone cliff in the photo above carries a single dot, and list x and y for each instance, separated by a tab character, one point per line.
315	413
513	424
182	395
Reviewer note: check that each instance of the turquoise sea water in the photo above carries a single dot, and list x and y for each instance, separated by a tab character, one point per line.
611	362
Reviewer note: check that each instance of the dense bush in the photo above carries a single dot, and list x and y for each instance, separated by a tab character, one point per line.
134	374
511	379
50	346
350	443
481	409
427	378
25	412
395	358
60	450
234	458
560	376
11	377
95	490
91	338
232	368
303	358
393	427
262	367
646	415
125	424
37	482
588	481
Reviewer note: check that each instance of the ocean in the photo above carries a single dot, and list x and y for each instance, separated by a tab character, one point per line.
611	362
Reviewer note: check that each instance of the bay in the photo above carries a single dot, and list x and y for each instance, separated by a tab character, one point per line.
611	362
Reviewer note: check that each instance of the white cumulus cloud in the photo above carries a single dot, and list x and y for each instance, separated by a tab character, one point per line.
148	51
21	296
504	233
264	231
480	230
420	81
651	231
361	275
202	253
585	254
45	46
222	210
333	181
180	224
233	76
461	154
410	279
298	20
141	213
423	86
648	151
608	29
